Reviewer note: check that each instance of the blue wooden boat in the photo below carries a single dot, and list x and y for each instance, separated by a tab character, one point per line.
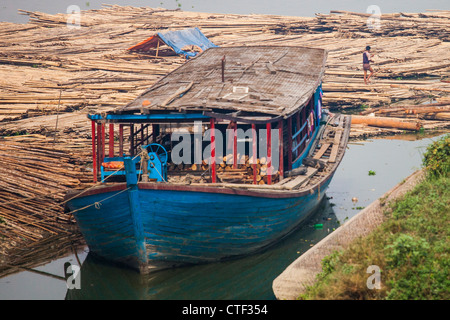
156	207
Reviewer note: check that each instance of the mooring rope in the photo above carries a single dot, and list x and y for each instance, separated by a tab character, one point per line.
98	204
53	193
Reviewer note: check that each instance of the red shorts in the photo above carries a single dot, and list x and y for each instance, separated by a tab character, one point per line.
366	66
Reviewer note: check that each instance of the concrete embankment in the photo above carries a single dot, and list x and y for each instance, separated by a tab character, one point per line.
302	272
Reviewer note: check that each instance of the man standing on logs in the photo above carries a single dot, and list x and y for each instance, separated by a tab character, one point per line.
366	65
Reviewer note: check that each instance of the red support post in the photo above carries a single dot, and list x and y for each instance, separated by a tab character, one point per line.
213	151
99	145
269	153
281	164
254	152
300	136
289	129
121	140
103	143
111	140
94	154
235	159
305	129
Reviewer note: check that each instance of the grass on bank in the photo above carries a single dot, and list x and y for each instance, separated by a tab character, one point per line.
411	248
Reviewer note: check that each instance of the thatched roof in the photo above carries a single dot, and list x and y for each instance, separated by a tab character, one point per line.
266	81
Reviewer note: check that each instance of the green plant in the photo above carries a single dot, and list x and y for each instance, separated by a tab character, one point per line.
410	247
407	250
364	106
329	264
437	157
371	173
17	133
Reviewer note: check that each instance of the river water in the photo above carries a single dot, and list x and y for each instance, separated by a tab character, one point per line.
392	159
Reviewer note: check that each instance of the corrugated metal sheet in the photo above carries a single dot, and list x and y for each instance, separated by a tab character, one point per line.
266	80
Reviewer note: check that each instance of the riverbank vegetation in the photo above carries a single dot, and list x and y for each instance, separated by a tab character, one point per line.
410	249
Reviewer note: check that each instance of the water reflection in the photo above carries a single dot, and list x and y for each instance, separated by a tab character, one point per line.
244	278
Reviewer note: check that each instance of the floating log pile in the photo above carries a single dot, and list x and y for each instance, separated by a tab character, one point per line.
53	68
35	175
433	111
376	120
432	24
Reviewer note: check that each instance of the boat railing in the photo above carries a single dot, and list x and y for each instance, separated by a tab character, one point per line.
152	163
115	166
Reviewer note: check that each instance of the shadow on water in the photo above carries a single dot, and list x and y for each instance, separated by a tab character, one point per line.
244	278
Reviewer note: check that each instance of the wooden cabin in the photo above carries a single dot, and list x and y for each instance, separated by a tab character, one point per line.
265	91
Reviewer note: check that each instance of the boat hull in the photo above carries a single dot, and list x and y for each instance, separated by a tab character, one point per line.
178	225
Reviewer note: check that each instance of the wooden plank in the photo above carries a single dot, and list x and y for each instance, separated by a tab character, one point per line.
177	94
321	151
300	179
337	140
271	68
335	147
284	181
334	151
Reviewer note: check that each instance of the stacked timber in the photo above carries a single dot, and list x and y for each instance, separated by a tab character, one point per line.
432	111
431	24
402	117
52	68
35	174
244	172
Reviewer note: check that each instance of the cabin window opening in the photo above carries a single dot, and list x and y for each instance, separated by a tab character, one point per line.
234	155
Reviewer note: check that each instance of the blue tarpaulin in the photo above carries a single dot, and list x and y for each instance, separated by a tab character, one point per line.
177	40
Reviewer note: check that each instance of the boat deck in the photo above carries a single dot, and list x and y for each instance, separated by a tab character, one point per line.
324	156
323	159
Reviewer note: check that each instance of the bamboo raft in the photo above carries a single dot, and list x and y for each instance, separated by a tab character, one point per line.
52	76
56	69
35	174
